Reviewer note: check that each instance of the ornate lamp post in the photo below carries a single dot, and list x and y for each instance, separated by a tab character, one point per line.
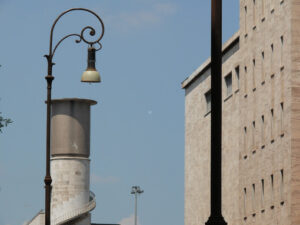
90	75
216	217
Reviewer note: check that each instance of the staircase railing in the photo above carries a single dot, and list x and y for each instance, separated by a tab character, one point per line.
76	213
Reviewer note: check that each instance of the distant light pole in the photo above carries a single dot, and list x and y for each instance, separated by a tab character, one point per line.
216	217
90	75
135	190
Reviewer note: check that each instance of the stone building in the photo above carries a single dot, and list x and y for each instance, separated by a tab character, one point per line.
261	121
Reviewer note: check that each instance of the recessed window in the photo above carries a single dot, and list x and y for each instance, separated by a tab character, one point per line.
253	134
245	81
271	58
253	198
228	81
272	9
245	139
254	19
262	10
272	48
281	118
281	51
253	74
282	186
272	125
262	131
245	8
208	101
262	67
272	190
245	201
237	75
262	193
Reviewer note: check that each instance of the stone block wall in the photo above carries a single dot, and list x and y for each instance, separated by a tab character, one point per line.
261	156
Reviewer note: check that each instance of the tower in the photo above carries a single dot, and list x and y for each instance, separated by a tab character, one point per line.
71	198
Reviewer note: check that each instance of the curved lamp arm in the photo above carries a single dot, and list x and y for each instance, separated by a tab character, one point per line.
80	36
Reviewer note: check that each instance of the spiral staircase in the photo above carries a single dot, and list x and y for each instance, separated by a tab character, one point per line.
77	213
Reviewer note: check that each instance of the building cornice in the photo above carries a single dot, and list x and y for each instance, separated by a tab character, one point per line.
229	44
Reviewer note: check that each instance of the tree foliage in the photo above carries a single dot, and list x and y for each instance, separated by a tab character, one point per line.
4	122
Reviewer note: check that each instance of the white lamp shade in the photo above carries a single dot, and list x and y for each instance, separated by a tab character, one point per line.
91	76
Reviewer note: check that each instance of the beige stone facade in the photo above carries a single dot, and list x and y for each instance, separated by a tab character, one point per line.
261	121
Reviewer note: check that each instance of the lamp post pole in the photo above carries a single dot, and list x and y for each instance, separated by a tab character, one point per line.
136	190
216	217
90	75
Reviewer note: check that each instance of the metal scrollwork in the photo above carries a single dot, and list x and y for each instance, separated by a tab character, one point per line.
81	37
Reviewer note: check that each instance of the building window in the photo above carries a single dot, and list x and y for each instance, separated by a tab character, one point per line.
237	75
253	136
262	10
208	101
272	8
245	8
253	198
253	74
281	119
282	187
245	203
281	52
228	81
272	191
262	131
272	125
262	67
254	18
262	194
245	139
271	59
245	81
282	81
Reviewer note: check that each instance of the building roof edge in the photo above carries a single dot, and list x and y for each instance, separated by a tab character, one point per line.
189	80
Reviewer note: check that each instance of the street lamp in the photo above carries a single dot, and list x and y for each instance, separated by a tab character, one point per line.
135	190
90	75
216	217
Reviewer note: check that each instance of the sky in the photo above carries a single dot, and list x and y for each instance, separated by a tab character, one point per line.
137	127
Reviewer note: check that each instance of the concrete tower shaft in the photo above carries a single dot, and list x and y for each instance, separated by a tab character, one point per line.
71	199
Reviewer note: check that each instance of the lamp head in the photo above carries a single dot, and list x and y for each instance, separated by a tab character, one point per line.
91	75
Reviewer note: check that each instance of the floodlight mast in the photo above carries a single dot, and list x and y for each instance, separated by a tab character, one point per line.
136	190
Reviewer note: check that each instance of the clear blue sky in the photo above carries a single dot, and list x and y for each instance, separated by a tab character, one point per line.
137	134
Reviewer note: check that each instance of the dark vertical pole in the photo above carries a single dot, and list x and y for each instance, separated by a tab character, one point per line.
216	217
48	179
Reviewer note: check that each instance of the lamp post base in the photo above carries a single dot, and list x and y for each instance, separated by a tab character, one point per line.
216	220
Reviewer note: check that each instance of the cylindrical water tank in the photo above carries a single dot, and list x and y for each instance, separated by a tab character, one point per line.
70	127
